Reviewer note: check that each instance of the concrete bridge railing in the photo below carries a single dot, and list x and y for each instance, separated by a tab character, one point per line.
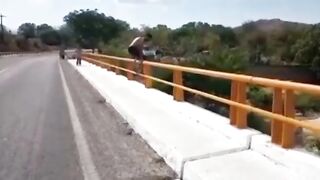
283	122
196	143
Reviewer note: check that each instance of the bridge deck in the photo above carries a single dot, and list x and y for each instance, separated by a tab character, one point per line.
196	143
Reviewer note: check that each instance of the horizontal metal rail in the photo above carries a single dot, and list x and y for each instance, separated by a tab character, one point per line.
282	117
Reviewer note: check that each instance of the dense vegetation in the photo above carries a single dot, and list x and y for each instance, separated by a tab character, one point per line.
31	37
265	41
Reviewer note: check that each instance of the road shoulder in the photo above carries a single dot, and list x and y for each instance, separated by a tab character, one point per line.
117	151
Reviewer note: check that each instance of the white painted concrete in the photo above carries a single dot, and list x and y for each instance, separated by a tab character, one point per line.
304	165
169	133
264	161
200	116
3	70
245	165
190	112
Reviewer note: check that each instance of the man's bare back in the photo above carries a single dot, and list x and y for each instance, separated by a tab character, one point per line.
136	51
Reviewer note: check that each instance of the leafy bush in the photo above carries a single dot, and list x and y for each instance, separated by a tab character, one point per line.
51	37
115	51
259	123
308	48
23	44
227	60
312	144
260	97
27	30
305	102
165	75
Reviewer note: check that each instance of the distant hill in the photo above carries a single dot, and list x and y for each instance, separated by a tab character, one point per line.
268	25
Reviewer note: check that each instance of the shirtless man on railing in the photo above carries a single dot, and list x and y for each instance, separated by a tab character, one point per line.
136	50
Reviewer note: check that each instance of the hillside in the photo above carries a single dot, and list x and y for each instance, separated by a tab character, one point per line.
269	25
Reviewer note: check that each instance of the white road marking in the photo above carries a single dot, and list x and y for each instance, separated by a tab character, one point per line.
3	70
86	162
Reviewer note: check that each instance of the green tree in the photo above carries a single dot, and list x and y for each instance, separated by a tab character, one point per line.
280	43
194	37
119	46
161	35
257	45
27	30
43	28
227	35
48	34
50	37
91	27
308	48
183	41
67	36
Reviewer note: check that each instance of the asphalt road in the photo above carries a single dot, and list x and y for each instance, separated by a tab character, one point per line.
56	127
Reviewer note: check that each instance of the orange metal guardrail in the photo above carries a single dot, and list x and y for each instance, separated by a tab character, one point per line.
17	53
7	53
23	53
283	122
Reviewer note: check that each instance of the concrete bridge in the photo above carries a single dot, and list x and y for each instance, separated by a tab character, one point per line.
62	121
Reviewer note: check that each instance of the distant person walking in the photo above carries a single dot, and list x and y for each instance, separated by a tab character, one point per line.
62	52
78	56
136	50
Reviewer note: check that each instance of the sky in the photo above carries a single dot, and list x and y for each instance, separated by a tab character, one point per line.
173	13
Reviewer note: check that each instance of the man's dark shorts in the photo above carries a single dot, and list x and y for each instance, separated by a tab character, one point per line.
135	52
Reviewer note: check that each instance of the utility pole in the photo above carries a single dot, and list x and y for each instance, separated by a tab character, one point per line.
2	29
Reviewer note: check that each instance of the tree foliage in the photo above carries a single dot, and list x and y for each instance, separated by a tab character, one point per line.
67	37
194	37
51	37
48	34
308	48
27	30
43	28
91	27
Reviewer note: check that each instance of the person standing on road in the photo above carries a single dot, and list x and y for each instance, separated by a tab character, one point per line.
62	52
136	50
78	56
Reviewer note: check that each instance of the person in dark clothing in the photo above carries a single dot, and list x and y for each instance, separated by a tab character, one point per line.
78	56
62	52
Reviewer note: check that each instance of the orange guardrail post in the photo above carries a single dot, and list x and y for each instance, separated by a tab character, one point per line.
277	107
104	66
110	61
147	71
241	115
117	71
288	133
130	67
233	109
101	64
178	93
